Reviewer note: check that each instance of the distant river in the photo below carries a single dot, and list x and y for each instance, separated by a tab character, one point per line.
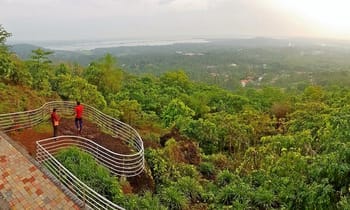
90	45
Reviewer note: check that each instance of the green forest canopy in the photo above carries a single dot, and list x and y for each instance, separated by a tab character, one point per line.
253	148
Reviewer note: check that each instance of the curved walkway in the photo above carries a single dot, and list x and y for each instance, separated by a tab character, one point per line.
129	165
24	186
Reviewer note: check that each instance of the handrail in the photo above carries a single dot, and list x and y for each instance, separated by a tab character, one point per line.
127	165
118	129
47	148
111	160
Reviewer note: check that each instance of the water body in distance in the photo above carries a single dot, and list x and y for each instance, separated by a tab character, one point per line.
90	45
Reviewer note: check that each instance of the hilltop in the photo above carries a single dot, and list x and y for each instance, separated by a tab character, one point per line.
208	147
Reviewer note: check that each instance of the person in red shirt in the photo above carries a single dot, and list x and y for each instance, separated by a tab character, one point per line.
79	116
55	119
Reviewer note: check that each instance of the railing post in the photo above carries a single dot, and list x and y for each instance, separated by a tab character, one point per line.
84	197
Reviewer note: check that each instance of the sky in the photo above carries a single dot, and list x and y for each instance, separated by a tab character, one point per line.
173	19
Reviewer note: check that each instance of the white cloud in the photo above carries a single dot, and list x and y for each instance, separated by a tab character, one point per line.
193	5
75	19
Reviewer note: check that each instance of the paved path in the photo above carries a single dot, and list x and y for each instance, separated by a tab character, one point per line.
23	186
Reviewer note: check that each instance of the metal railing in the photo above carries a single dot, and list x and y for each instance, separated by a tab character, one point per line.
116	163
47	148
127	165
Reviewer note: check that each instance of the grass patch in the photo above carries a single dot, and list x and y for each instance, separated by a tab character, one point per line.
87	169
45	127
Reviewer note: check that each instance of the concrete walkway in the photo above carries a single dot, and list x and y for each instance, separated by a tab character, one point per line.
23	186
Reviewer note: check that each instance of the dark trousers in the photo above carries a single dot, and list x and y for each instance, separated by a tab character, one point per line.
79	123
55	128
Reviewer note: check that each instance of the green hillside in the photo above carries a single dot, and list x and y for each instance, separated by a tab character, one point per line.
259	147
226	63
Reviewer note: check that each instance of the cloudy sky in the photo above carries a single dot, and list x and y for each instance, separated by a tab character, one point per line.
168	19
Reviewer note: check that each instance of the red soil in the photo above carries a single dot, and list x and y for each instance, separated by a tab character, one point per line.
28	137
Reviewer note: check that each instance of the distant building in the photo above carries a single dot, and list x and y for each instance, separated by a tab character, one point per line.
247	80
211	67
189	53
213	74
244	82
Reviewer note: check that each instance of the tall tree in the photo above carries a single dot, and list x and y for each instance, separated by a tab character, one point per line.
105	74
175	111
6	66
39	67
177	79
76	88
3	35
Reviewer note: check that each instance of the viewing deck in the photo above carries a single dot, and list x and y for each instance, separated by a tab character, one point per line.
24	186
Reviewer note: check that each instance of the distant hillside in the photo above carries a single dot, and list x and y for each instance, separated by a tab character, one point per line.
16	98
258	147
228	62
86	56
23	50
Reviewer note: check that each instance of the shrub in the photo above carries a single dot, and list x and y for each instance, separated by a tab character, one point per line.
263	198
344	203
190	187
234	194
85	168
220	161
224	178
150	202
210	191
207	169
172	198
187	170
158	165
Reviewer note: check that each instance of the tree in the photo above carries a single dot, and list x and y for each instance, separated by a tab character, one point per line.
174	111
147	201
260	124
313	93
130	111
206	133
77	88
11	67
40	69
62	68
235	134
221	100
145	90
224	178
173	198
198	103
6	65
105	74
177	80
40	57
20	74
190	187
3	35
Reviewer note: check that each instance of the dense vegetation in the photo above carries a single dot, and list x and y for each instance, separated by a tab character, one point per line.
282	63
86	168
255	148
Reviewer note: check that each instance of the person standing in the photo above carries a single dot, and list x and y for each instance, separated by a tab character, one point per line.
79	116
55	119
